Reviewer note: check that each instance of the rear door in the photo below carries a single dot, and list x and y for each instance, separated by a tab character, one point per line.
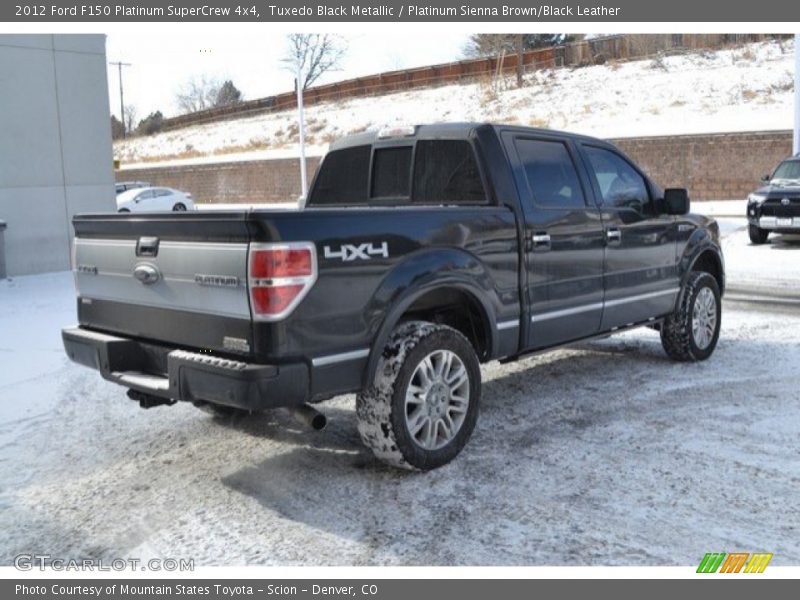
641	271
564	240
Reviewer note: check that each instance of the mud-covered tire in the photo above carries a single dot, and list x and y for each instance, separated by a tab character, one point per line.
383	411
677	333
757	235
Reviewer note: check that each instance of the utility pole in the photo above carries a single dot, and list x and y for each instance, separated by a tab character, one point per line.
119	66
796	140
302	127
297	63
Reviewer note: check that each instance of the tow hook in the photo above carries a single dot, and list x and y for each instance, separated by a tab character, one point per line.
148	400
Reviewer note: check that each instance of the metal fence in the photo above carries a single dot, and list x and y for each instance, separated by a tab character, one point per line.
576	54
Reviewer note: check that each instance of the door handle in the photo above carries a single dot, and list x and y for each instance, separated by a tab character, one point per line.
541	241
613	236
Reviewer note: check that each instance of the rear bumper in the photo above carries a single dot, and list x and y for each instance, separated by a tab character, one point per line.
190	376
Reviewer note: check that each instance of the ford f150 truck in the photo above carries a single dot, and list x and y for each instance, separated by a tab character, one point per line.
421	253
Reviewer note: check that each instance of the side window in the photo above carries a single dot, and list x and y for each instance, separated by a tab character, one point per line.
551	174
159	193
445	172
620	184
391	172
145	195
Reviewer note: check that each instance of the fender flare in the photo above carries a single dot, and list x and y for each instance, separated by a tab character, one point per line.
456	269
700	245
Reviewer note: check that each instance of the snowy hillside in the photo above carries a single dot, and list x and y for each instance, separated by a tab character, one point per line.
742	89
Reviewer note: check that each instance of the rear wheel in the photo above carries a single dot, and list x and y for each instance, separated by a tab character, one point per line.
422	407
692	331
179	207
123	210
757	235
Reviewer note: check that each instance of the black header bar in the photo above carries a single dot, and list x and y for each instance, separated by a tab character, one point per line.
505	11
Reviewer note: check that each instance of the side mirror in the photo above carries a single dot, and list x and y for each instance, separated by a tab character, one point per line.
766	178
676	201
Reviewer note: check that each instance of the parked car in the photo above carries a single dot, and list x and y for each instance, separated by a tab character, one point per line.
154	199
124	186
422	252
775	207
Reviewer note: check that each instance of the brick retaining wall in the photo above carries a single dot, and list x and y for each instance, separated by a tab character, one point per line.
722	166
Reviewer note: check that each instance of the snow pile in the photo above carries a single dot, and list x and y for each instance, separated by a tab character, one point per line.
742	89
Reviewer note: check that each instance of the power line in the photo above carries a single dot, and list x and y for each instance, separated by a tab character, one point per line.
119	66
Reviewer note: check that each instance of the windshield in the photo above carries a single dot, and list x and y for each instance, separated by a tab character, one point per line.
788	169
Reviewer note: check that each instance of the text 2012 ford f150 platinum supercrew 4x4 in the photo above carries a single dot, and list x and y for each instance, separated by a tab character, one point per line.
421	253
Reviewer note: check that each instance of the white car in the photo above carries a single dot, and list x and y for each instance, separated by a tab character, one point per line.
154	199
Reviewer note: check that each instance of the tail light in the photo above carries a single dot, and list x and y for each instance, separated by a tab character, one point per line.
279	277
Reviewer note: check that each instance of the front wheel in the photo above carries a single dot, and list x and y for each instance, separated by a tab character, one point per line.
757	235
691	333
421	409
179	207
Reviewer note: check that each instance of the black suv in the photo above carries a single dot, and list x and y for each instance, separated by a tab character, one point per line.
775	207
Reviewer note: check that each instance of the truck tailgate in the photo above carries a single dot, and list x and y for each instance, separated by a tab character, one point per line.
179	278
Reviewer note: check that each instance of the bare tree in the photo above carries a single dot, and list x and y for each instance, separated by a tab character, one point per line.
198	93
130	117
315	53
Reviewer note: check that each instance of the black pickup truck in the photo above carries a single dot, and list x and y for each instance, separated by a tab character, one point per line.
421	252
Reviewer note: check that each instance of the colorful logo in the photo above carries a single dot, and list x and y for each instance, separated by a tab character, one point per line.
735	562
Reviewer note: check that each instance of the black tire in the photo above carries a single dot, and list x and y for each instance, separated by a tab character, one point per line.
382	411
677	335
124	210
179	207
757	235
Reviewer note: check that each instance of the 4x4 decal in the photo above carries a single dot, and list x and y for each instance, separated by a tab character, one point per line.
350	252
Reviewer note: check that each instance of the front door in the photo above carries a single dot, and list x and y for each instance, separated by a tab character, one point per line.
564	240
641	271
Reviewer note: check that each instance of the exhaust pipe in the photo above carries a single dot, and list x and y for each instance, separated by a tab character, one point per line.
309	416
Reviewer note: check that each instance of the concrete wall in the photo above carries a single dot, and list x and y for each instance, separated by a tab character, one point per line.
713	166
55	145
276	180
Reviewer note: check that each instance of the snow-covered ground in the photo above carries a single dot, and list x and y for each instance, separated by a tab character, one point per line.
607	453
743	89
770	269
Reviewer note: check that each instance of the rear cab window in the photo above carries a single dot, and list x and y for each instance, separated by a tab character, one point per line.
412	172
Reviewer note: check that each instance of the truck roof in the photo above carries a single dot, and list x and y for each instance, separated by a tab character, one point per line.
456	130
